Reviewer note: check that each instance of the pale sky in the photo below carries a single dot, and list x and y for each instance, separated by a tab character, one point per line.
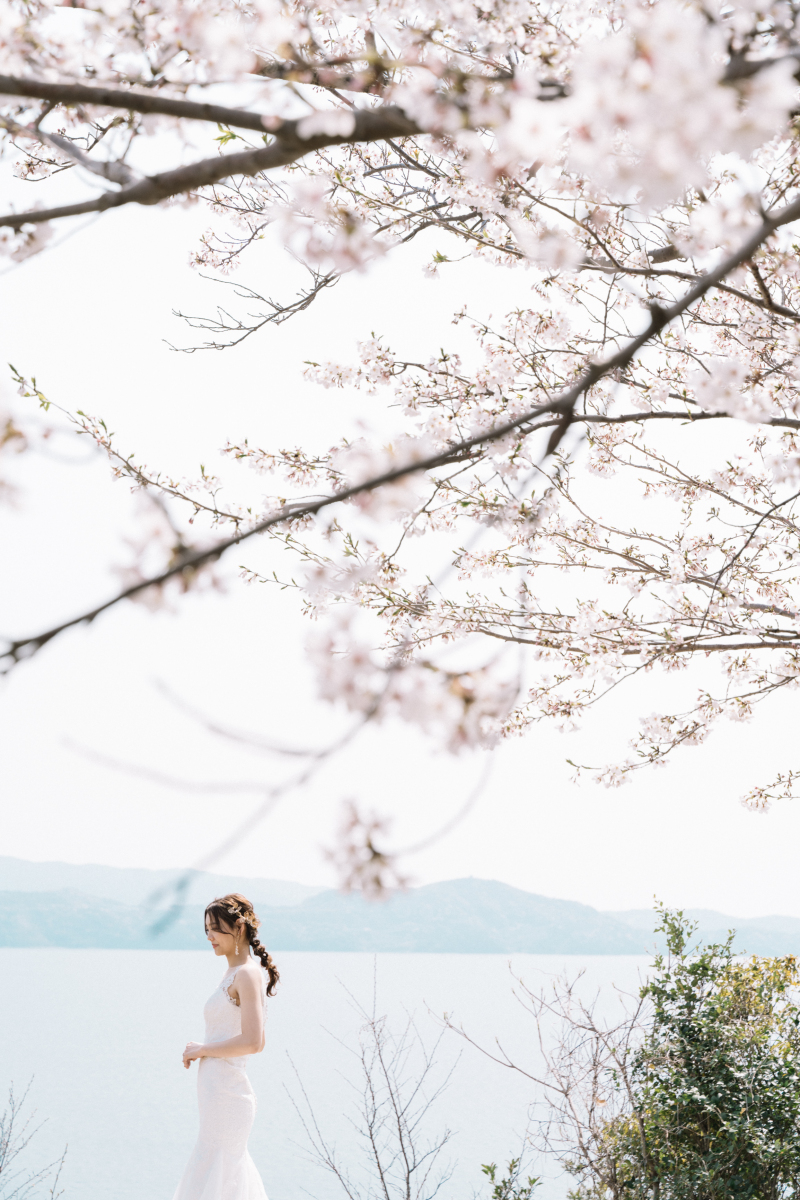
89	318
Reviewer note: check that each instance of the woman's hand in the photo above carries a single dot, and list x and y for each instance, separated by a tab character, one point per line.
193	1050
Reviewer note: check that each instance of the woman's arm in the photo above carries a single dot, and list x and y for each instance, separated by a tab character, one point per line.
250	1040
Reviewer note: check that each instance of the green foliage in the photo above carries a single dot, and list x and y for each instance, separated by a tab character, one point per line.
512	1187
227	135
711	1104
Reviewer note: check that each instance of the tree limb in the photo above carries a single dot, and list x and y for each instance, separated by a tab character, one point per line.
371	125
114	172
140	102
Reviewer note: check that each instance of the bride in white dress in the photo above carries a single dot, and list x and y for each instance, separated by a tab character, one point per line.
220	1167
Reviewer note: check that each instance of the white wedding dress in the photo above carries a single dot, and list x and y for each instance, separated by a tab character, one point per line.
220	1167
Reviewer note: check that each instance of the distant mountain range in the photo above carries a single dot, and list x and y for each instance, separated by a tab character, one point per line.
59	904
754	935
134	885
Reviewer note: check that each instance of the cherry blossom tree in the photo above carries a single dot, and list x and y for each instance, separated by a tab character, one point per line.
639	163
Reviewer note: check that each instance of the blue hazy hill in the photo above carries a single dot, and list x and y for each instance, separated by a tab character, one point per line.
133	885
754	935
459	916
462	916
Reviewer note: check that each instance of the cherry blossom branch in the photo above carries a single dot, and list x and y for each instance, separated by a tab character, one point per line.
272	794
254	741
667	647
147	103
370	872
634	418
288	145
564	406
225	323
114	172
759	799
729	565
765	302
25	647
224	787
124	465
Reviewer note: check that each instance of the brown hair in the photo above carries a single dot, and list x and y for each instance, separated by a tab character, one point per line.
227	910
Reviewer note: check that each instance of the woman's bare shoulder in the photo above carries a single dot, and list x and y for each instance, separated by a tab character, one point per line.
248	972
245	982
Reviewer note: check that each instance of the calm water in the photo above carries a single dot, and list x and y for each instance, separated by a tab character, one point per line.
101	1032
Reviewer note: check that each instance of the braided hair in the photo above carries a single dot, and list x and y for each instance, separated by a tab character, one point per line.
227	911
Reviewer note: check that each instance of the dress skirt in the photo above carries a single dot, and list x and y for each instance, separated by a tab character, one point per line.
220	1167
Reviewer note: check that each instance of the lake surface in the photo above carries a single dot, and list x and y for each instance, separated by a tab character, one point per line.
101	1033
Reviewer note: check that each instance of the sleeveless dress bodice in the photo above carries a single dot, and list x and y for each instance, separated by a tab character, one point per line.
223	1017
220	1167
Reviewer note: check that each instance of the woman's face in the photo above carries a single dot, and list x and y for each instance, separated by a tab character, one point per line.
222	937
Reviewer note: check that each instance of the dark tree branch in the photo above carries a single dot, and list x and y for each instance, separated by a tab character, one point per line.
238	330
608	268
740	67
633	418
762	287
371	125
114	172
140	102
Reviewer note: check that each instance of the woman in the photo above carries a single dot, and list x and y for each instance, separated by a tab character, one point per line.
220	1167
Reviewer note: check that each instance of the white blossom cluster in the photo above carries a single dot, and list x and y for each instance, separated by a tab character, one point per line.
461	709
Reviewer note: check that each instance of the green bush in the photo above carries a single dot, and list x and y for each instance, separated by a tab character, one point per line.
708	1105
